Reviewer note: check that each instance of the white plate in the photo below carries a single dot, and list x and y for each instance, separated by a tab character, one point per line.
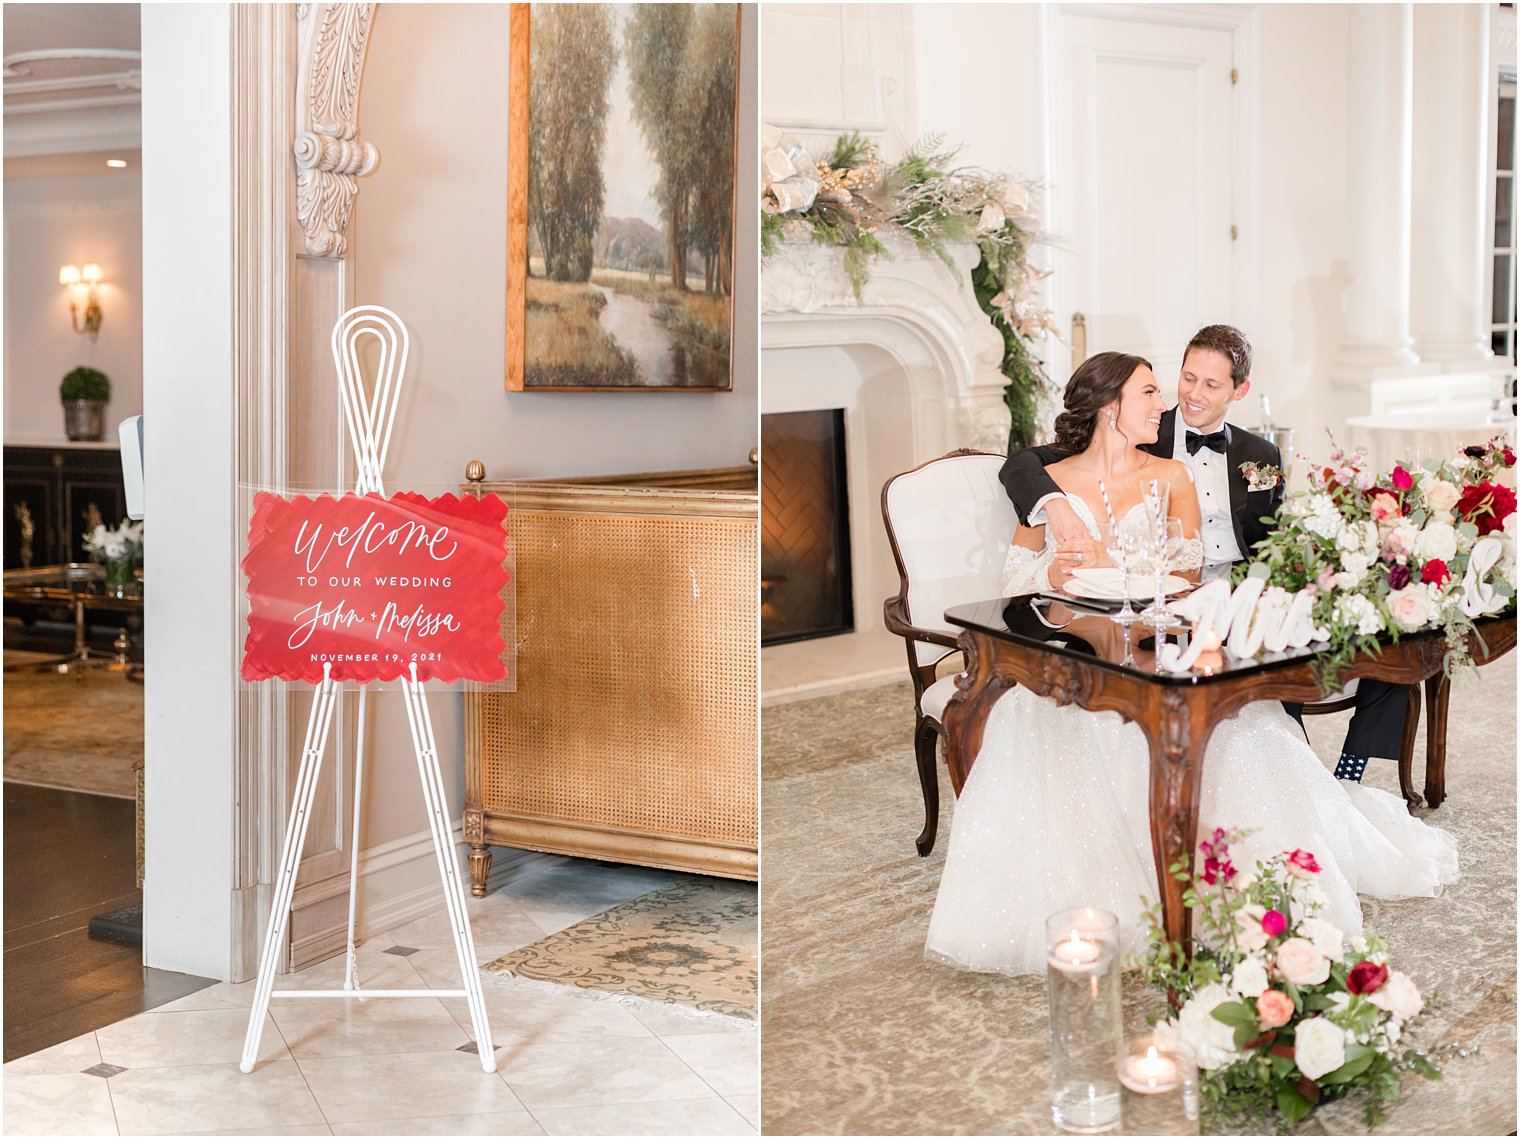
1106	584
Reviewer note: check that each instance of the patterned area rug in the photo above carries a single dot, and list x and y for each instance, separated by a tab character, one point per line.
693	944
80	731
863	1036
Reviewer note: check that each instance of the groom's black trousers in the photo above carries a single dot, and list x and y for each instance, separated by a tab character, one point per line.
1377	725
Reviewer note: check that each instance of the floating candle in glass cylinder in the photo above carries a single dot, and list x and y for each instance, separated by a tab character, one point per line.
1082	974
1160	1088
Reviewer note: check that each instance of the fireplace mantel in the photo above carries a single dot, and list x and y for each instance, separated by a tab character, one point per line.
916	309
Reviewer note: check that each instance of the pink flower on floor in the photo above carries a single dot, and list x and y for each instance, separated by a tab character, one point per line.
1274	1008
1301	863
1273	923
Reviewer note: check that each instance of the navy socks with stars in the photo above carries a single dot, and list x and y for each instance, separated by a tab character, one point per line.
1351	767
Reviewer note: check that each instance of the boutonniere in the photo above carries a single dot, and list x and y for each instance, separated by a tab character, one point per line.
1261	476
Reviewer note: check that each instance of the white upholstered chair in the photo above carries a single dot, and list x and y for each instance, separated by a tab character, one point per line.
950	524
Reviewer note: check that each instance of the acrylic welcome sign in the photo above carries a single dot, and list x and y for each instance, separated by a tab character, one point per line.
373	585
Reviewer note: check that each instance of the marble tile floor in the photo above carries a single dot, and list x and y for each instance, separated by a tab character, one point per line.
567	1064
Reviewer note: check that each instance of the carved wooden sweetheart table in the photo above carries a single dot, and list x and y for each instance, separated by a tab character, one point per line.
1075	659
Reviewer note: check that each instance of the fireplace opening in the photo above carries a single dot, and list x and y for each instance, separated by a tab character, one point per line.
805	582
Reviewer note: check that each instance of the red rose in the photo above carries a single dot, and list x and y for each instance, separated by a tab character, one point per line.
1486	506
1402	480
1366	977
1398	576
1273	923
1434	572
1509	457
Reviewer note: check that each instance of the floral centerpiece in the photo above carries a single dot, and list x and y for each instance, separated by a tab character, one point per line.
1281	1011
851	197
119	549
1419	546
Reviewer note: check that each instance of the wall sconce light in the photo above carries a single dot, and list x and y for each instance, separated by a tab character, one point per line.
73	278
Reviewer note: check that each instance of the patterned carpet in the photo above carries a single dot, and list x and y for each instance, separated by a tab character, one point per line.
78	732
862	1036
692	944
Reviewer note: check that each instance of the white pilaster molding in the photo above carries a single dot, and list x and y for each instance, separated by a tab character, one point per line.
329	157
264	71
1379	83
1451	127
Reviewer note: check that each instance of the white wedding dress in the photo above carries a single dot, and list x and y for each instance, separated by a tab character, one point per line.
1055	814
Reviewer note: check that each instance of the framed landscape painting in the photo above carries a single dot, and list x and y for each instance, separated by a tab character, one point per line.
620	205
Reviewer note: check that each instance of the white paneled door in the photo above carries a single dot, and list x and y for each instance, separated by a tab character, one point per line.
1146	161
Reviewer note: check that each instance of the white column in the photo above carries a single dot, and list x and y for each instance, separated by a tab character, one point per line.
189	435
1380	115
1451	183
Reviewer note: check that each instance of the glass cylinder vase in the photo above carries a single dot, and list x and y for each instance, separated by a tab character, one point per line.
120	580
1159	1083
1082	972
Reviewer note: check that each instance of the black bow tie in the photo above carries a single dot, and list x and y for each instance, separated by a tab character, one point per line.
1214	441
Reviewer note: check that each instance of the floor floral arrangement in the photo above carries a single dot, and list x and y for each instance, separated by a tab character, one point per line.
1391	553
852	197
1281	1011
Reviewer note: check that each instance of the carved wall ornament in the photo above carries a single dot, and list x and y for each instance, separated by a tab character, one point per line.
328	154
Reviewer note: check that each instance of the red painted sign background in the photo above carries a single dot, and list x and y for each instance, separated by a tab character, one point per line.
373	585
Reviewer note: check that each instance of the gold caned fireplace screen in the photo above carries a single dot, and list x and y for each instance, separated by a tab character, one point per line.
632	735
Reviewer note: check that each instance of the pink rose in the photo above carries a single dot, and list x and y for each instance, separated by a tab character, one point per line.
1384	506
1410	607
1301	863
1402	480
1398	996
1274	1008
1300	963
1273	923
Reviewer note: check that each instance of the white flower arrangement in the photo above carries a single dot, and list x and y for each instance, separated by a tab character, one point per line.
121	543
1281	1011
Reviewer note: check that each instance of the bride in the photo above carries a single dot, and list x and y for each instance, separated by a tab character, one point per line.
1055	812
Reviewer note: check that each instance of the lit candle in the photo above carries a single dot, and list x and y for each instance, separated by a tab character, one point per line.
1076	955
1150	1074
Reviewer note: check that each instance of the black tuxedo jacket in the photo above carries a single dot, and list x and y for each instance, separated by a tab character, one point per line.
1023	477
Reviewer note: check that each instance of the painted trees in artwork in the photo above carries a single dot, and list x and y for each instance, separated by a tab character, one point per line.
712	55
574	55
655	40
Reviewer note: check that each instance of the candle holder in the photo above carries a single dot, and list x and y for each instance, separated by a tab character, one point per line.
1159	1083
1082	971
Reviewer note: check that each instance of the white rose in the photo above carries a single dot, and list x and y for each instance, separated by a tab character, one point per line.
1249	934
1354	564
1398	996
1410	607
1300	963
1325	937
1436	540
1440	495
1319	1047
1401	538
1212	1041
1250	979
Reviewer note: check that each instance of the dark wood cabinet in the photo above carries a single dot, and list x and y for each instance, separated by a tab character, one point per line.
62	491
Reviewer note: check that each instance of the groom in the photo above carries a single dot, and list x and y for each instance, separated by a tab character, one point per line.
1216	372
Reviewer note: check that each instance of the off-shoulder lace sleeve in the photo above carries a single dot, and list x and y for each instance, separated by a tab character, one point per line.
1190	557
1027	571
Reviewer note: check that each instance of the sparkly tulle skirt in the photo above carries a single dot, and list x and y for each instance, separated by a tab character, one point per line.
1055	815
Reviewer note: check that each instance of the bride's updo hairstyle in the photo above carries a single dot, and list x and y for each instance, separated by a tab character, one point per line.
1093	386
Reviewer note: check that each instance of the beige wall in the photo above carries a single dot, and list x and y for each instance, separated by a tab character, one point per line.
61	221
430	243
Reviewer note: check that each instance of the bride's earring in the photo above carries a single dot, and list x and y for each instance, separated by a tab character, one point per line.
1113	421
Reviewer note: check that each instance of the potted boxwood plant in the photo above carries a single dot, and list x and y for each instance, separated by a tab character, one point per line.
85	393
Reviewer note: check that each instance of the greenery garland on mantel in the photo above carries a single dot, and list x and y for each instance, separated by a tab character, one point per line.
850	197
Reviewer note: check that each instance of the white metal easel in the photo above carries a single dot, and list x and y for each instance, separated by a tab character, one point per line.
370	418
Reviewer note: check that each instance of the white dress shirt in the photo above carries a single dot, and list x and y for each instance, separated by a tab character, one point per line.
1211	479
